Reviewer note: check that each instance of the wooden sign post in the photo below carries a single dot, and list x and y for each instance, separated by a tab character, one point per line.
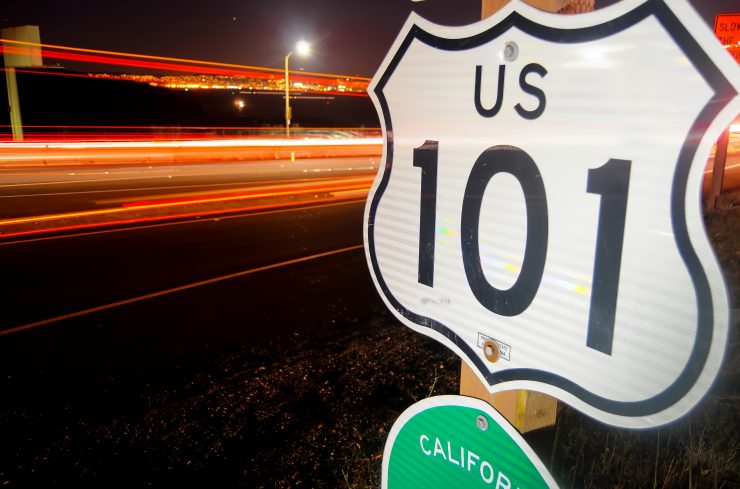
555	6
526	410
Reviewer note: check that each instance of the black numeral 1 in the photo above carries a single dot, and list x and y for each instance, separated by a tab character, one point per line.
425	157
611	181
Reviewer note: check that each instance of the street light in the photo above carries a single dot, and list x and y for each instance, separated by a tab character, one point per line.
303	49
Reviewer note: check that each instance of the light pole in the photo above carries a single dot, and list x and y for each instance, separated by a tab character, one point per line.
302	48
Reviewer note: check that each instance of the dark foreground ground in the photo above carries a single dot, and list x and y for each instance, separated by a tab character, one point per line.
314	409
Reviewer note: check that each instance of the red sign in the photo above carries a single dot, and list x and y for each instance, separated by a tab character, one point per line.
727	29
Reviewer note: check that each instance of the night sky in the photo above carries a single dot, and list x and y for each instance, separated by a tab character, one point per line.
348	36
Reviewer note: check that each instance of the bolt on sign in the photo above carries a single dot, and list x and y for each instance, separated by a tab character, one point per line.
455	441
539	207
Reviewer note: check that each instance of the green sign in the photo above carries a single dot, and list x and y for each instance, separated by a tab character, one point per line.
459	442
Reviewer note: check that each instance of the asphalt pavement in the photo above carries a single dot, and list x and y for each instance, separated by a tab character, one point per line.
180	285
146	292
32	192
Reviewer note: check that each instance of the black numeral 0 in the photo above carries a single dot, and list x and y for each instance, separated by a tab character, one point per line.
514	161
611	181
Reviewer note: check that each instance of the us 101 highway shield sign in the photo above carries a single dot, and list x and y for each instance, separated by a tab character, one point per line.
539	210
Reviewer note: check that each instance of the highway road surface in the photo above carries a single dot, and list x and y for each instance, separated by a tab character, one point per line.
33	200
107	265
148	293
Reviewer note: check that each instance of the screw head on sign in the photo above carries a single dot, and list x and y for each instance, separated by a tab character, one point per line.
491	351
511	51
481	422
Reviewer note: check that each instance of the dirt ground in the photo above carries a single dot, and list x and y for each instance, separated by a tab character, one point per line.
314	411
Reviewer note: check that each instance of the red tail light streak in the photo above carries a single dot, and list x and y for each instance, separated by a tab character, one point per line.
195	205
178	65
181	61
101	153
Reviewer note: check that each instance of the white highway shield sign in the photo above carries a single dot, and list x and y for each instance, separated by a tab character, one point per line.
541	190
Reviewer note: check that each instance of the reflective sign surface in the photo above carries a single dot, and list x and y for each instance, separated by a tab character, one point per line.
541	191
